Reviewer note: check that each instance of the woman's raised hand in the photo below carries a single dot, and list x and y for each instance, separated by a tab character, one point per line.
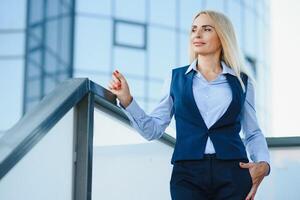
119	86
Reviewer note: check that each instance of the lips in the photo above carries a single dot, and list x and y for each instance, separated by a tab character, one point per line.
199	43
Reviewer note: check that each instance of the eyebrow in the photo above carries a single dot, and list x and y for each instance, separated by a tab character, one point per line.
204	26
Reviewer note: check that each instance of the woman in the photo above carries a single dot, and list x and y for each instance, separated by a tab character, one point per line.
211	100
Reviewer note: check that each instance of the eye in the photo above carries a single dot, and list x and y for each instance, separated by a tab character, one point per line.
207	29
193	30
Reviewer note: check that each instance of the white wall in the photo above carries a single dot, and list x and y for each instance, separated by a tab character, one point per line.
125	165
132	172
44	173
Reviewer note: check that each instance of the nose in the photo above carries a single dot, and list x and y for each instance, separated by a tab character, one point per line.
198	36
199	33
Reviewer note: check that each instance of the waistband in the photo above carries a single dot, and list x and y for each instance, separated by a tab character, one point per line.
210	155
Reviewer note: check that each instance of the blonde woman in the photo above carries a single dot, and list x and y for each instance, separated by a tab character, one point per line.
212	99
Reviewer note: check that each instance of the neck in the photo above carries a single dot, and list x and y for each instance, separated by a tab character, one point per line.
209	64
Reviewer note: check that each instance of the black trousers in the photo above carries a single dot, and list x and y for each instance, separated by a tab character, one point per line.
210	179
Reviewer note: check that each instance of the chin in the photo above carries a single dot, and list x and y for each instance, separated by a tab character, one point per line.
203	51
200	52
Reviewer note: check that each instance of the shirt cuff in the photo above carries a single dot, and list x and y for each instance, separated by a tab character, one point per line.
133	110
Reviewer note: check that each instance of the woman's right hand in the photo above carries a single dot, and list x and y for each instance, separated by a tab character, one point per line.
119	86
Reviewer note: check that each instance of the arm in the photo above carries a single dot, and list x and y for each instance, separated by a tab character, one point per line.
151	126
255	141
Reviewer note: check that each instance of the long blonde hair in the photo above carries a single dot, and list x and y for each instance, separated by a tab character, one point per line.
230	54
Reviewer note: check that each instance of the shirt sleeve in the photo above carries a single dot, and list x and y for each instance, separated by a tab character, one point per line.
152	126
255	141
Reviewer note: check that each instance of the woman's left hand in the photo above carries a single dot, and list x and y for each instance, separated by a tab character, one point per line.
257	171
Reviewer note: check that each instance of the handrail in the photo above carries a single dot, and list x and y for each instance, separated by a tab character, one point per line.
30	129
283	141
18	140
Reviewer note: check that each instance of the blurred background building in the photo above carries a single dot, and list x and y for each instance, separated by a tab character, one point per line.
45	42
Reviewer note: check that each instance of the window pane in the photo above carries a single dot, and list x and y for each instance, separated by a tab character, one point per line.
130	34
51	35
33	88
62	76
162	51
130	61
35	58
184	53
36	12
12	44
251	4
50	84
188	9
100	78
236	18
137	88
11	86
250	33
53	8
34	37
94	6
13	14
163	12
125	10
155	90
65	39
261	42
93	44
33	71
50	63
31	104
217	5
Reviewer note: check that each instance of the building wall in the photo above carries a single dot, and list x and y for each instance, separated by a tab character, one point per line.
12	39
48	47
144	40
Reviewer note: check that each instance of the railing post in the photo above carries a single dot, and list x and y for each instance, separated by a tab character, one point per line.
84	119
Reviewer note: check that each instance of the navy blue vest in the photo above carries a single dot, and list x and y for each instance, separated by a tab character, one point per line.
191	130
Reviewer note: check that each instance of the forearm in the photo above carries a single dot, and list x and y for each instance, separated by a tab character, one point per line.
149	126
258	149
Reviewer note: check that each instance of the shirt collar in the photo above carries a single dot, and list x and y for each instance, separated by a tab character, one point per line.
225	69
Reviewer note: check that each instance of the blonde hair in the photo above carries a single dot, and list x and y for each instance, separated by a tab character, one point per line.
230	54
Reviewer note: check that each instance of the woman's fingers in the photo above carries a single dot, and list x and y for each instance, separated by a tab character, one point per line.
246	165
115	79
110	87
119	76
252	193
118	79
117	83
114	86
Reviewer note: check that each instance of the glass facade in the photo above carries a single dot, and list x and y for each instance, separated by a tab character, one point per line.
49	48
12	37
144	40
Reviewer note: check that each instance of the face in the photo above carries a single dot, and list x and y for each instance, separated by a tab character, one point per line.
204	39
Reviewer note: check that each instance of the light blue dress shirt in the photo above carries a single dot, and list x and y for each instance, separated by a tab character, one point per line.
212	99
